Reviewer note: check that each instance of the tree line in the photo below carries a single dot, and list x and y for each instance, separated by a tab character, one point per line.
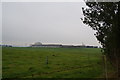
104	17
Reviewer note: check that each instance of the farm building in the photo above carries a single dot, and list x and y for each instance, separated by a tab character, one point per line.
39	44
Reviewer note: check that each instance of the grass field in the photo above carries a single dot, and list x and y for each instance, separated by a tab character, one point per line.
20	62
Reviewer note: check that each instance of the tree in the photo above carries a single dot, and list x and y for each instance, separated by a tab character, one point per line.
104	17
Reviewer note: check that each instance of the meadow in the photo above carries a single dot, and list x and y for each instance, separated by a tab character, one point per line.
28	62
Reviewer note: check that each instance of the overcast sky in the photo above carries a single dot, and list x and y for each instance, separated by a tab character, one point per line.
24	23
0	22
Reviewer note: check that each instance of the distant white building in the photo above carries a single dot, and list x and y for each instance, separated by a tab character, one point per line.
39	44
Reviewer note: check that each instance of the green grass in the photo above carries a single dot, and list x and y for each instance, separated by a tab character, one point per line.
62	62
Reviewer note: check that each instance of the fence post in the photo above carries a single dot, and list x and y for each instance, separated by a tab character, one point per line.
105	66
47	60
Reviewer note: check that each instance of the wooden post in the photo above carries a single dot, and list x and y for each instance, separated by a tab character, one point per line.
105	66
31	69
117	64
88	58
47	60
